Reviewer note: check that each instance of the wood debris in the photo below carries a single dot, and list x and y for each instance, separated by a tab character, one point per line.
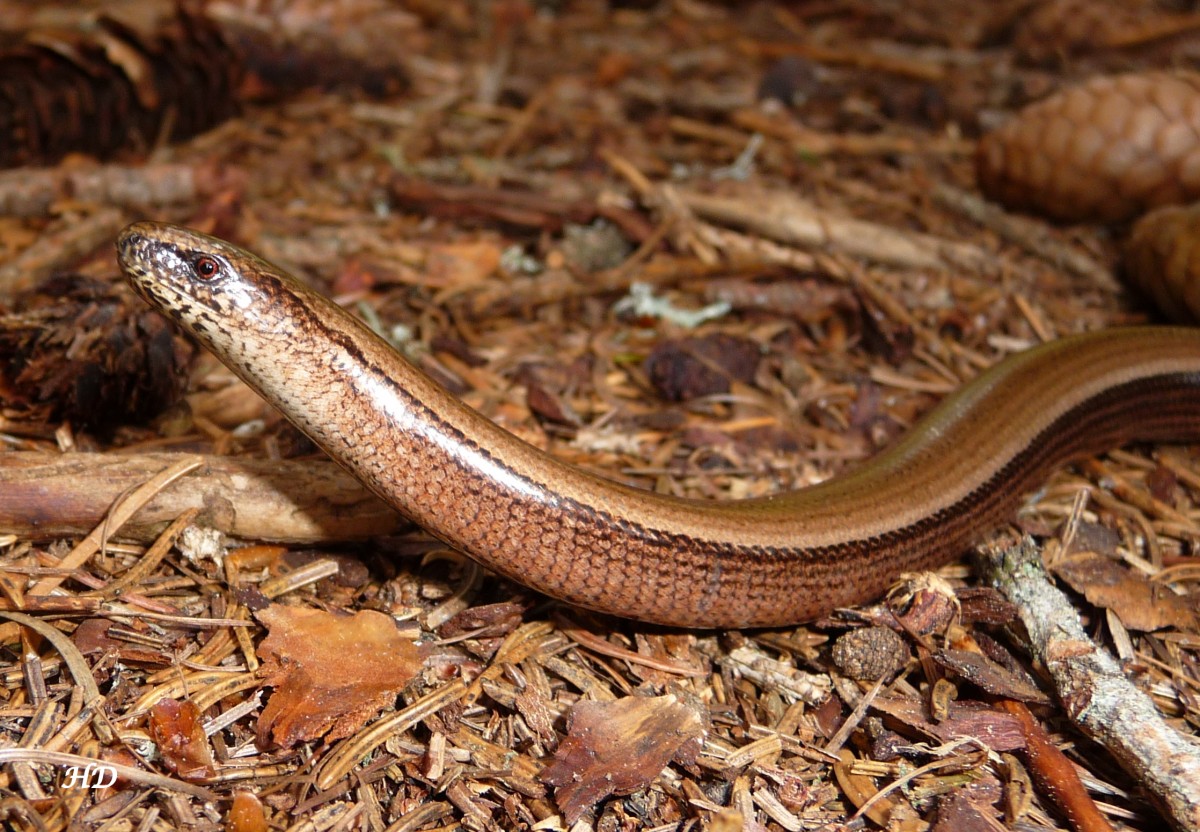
619	747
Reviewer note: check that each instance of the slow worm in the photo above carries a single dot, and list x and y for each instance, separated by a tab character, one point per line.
602	545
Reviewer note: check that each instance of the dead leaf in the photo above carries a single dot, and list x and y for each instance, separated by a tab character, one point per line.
92	636
461	264
888	813
331	673
176	729
619	747
1139	603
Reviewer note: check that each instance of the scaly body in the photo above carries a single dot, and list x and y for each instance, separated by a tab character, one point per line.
633	553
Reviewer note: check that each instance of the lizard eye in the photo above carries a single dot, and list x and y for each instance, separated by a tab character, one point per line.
206	268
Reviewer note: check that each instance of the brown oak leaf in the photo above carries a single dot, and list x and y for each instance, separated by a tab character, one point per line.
331	673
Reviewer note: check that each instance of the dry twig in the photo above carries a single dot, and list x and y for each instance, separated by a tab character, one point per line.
1093	688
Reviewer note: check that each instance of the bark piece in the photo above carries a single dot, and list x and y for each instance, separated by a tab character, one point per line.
619	747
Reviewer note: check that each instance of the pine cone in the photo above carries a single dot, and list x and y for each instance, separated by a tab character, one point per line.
1062	29
1104	151
1162	258
82	349
110	89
